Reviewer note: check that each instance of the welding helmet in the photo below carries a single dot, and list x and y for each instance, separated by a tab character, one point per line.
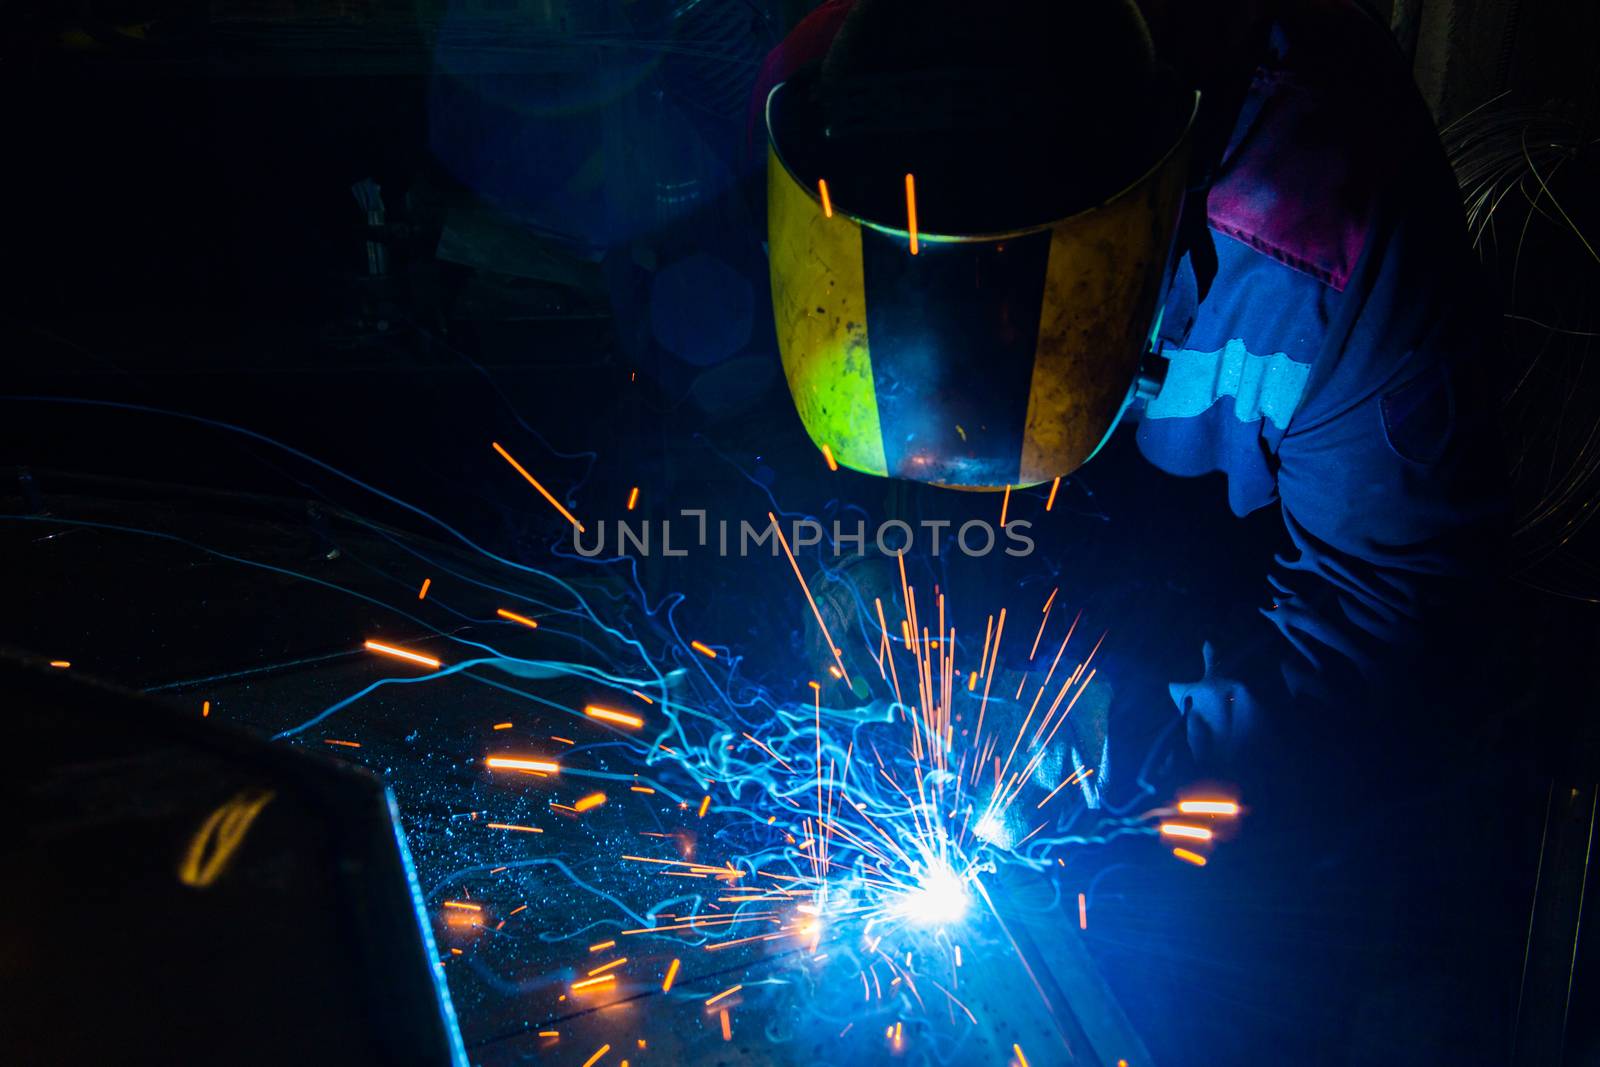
970	228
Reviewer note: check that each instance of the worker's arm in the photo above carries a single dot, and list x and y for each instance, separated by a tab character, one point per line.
1390	489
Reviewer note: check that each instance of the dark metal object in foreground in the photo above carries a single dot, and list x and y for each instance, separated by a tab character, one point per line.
178	891
1552	1027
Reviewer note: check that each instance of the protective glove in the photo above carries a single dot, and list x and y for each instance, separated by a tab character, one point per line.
1085	735
1223	718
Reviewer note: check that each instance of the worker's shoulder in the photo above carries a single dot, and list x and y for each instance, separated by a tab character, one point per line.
806	43
1331	121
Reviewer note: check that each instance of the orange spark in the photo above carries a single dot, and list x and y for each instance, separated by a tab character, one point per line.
607	715
672	972
719	946
705	802
1189	857
513	826
633	497
1036	638
730	991
514	617
590	983
826	636
1208	807
827	202
1005	504
727	1029
422	594
911	211
641	789
827	454
767	750
502	726
1064	783
1083	912
62	663
593	800
988	674
603	1049
704	649
463	905
205	709
400	653
618	962
1194	833
549	1033
1051	500
602	945
535	483
507	763
342	744
641	696
1022	1061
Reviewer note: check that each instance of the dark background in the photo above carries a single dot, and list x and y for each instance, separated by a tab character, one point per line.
573	269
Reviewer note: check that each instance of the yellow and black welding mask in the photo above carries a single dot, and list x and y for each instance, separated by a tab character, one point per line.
964	357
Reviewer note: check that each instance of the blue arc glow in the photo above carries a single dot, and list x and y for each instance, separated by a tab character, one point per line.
940	898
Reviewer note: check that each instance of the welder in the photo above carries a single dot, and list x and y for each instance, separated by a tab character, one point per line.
996	231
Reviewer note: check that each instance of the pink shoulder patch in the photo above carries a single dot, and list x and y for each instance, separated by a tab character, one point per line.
806	43
1301	183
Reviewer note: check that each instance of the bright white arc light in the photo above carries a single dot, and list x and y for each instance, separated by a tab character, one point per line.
993	830
941	898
